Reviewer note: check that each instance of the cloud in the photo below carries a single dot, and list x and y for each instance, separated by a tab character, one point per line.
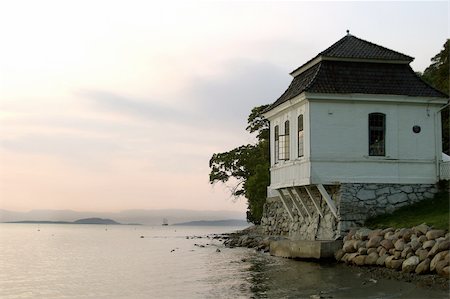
220	101
134	107
242	85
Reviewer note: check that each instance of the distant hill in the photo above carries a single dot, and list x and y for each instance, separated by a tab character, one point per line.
145	217
95	221
80	221
229	222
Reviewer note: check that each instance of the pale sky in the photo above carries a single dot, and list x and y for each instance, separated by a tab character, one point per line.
113	105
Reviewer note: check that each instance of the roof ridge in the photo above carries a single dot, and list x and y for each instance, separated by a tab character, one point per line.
363	40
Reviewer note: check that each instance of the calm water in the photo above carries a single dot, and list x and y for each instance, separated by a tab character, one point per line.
87	261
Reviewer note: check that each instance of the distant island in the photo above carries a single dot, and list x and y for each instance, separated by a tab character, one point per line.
230	222
79	221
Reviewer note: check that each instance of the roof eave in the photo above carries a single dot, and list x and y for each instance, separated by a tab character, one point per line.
306	66
283	106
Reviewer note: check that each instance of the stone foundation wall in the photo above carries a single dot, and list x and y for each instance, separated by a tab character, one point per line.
355	203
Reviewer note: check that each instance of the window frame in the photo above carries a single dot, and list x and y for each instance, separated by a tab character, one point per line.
377	128
300	137
277	143
284	143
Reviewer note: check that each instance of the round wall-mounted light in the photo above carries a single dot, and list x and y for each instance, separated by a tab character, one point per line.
416	129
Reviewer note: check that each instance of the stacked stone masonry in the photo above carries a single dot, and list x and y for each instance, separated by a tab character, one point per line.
355	203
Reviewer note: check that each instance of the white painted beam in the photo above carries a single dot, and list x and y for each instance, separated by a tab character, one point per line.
328	199
300	199
313	200
284	201
296	203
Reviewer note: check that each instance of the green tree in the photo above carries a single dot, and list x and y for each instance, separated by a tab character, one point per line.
437	75
247	166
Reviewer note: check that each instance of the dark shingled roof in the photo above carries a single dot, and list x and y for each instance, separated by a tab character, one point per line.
347	77
352	47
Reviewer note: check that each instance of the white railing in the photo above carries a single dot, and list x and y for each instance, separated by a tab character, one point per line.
444	170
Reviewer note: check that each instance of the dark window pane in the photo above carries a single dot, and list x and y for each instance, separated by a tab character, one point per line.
377	132
300	135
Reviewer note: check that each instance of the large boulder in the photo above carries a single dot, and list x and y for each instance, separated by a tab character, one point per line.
422	254
374	241
387	244
362	233
410	264
428	244
399	245
381	260
372	258
421	229
339	254
423	267
359	260
415	244
437	258
435	233
444	245
349	246
440	267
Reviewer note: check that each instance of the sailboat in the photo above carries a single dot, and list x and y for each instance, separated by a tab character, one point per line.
165	222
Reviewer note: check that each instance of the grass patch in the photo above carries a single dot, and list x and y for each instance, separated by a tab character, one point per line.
434	212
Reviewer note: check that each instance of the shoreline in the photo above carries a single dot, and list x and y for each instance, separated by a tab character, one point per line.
252	237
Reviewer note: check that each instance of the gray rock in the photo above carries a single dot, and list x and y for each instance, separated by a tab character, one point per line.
422	254
410	264
381	191
374	242
437	258
371	258
421	228
397	198
362	233
399	245
428	244
381	260
407	189
435	233
364	194
423	267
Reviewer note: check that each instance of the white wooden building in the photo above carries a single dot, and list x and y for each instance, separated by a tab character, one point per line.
355	128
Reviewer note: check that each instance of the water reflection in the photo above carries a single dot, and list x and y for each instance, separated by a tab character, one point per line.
272	277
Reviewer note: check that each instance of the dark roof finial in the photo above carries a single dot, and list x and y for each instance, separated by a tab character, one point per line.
348	32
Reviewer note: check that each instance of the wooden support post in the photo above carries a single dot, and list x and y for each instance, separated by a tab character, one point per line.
314	201
300	199
296	203
284	201
328	199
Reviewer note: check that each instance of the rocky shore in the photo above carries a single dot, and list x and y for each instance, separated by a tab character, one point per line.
419	254
419	249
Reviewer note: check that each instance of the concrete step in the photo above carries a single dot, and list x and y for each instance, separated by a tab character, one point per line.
305	249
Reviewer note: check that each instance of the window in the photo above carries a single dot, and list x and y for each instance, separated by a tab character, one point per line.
277	143
284	143
377	132
300	135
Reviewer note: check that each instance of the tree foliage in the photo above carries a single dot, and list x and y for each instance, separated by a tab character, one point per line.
437	75
248	165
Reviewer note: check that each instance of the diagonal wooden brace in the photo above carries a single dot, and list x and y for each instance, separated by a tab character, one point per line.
313	200
328	199
295	203
284	201
300	199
